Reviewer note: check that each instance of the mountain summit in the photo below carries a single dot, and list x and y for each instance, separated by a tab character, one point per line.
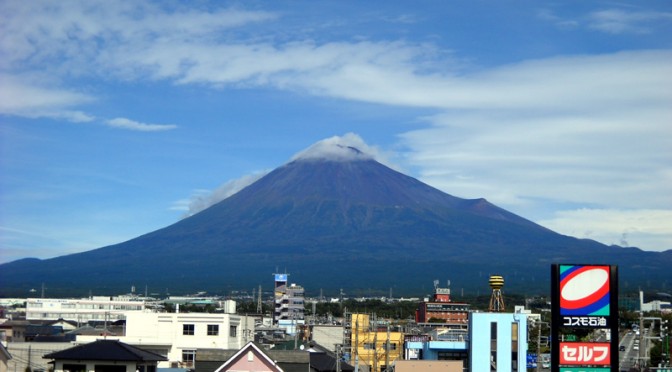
335	218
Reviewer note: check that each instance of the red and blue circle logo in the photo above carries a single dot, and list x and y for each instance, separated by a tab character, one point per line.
584	290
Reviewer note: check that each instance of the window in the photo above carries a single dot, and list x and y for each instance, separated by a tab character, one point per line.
74	367
233	331
188	357
188	329
213	329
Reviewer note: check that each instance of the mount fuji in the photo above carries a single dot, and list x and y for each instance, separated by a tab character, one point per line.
335	219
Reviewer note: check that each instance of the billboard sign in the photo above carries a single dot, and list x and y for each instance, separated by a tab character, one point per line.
585	353
583	297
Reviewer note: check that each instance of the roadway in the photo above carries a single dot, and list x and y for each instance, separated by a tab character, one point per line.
630	349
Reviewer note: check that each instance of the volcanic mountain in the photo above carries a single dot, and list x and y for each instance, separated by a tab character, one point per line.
335	222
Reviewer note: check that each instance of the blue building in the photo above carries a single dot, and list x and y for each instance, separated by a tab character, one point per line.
494	340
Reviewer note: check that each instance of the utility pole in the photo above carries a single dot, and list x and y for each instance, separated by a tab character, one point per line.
259	307
387	350
357	347
338	358
375	348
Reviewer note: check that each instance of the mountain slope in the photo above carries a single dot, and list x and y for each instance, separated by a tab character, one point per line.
343	223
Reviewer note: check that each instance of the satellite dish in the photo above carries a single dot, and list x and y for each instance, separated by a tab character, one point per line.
302	347
436	283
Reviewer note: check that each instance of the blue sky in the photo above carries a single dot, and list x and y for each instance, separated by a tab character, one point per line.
120	118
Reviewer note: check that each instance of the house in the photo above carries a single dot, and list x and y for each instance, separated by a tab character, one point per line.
283	360
179	336
14	330
250	358
104	356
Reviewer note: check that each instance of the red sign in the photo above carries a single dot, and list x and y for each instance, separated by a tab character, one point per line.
585	353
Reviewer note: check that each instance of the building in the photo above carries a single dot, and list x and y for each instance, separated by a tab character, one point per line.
373	345
179	336
250	358
97	308
441	309
254	357
657	305
289	304
440	344
105	356
497	340
326	335
14	330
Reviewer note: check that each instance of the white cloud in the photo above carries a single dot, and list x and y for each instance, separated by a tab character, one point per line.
349	147
22	96
124	123
203	199
618	21
639	228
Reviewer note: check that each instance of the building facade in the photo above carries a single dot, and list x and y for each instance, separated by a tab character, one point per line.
81	310
179	336
499	341
441	309
372	344
289	303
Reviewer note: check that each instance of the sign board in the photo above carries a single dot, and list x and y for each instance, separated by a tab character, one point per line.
585	353
531	360
583	297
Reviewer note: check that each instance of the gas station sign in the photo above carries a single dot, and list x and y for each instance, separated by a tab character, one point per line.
583	297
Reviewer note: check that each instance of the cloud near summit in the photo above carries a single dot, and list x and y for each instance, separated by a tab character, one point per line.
349	147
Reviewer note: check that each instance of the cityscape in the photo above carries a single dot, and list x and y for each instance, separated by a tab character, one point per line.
440	332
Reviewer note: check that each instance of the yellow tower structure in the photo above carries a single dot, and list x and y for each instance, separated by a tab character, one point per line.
496	300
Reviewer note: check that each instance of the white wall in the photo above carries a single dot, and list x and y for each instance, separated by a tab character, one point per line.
163	333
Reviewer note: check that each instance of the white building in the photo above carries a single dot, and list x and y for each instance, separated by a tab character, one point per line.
178	336
81	310
656	305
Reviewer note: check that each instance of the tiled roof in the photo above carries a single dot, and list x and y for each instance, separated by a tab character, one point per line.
106	350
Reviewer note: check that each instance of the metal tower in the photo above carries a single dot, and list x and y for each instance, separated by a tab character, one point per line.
496	300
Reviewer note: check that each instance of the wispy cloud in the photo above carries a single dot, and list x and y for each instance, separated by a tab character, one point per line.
619	21
645	227
203	199
23	96
124	123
